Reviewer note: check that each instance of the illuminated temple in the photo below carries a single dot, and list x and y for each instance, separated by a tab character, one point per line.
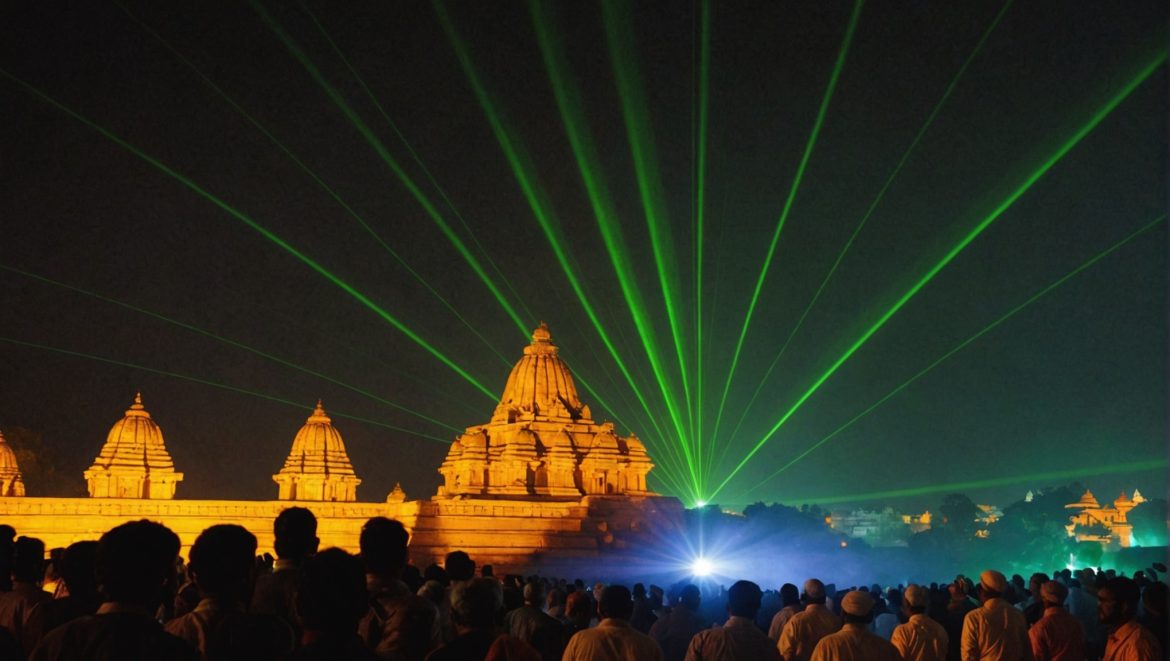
540	484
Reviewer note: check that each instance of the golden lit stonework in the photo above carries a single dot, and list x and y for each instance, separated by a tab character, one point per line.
318	467
11	481
134	462
542	442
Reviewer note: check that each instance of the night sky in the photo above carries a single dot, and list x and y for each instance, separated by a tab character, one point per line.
1074	384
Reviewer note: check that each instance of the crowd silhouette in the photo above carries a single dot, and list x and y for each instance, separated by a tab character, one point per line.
130	596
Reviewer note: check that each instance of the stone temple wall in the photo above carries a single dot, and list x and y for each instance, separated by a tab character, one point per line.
516	536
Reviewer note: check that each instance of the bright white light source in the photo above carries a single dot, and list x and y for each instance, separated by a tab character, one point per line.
700	503
702	567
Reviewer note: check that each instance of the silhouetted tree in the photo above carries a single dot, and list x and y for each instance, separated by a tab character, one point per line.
38	465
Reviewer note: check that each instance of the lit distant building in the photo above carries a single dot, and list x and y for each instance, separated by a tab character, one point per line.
540	482
879	527
1108	526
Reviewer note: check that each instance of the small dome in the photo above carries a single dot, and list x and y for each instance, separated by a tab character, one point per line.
11	481
1087	501
135	432
540	385
7	457
317	467
134	462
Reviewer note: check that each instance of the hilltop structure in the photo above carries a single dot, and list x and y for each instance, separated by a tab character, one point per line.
540	484
1108	526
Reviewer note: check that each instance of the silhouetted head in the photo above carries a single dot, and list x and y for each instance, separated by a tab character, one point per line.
459	566
789	594
295	533
79	567
136	563
578	606
690	597
223	561
1117	601
475	603
743	599
814	592
331	593
615	602
383	543
28	560
534	593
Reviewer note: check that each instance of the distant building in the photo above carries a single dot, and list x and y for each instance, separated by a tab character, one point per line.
879	527
1108	526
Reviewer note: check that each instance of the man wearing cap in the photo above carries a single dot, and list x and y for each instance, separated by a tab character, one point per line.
996	630
1057	636
920	638
1128	640
739	637
802	633
855	642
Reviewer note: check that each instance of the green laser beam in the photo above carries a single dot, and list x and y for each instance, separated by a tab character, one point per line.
1039	172
698	233
215	384
1130	467
365	225
519	164
380	149
962	345
869	212
239	345
568	100
810	144
263	231
417	159
623	57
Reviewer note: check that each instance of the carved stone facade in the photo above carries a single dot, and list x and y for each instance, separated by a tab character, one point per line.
134	462
542	441
317	467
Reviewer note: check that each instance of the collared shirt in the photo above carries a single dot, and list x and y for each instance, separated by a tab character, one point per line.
921	639
1132	642
854	642
995	631
780	619
1058	636
804	630
220	630
737	639
675	630
612	640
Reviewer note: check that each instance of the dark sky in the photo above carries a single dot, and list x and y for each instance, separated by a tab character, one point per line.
1075	383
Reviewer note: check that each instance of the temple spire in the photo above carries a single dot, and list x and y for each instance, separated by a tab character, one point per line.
317	467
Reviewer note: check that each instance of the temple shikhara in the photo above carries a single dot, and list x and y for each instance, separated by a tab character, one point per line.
542	441
540	482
